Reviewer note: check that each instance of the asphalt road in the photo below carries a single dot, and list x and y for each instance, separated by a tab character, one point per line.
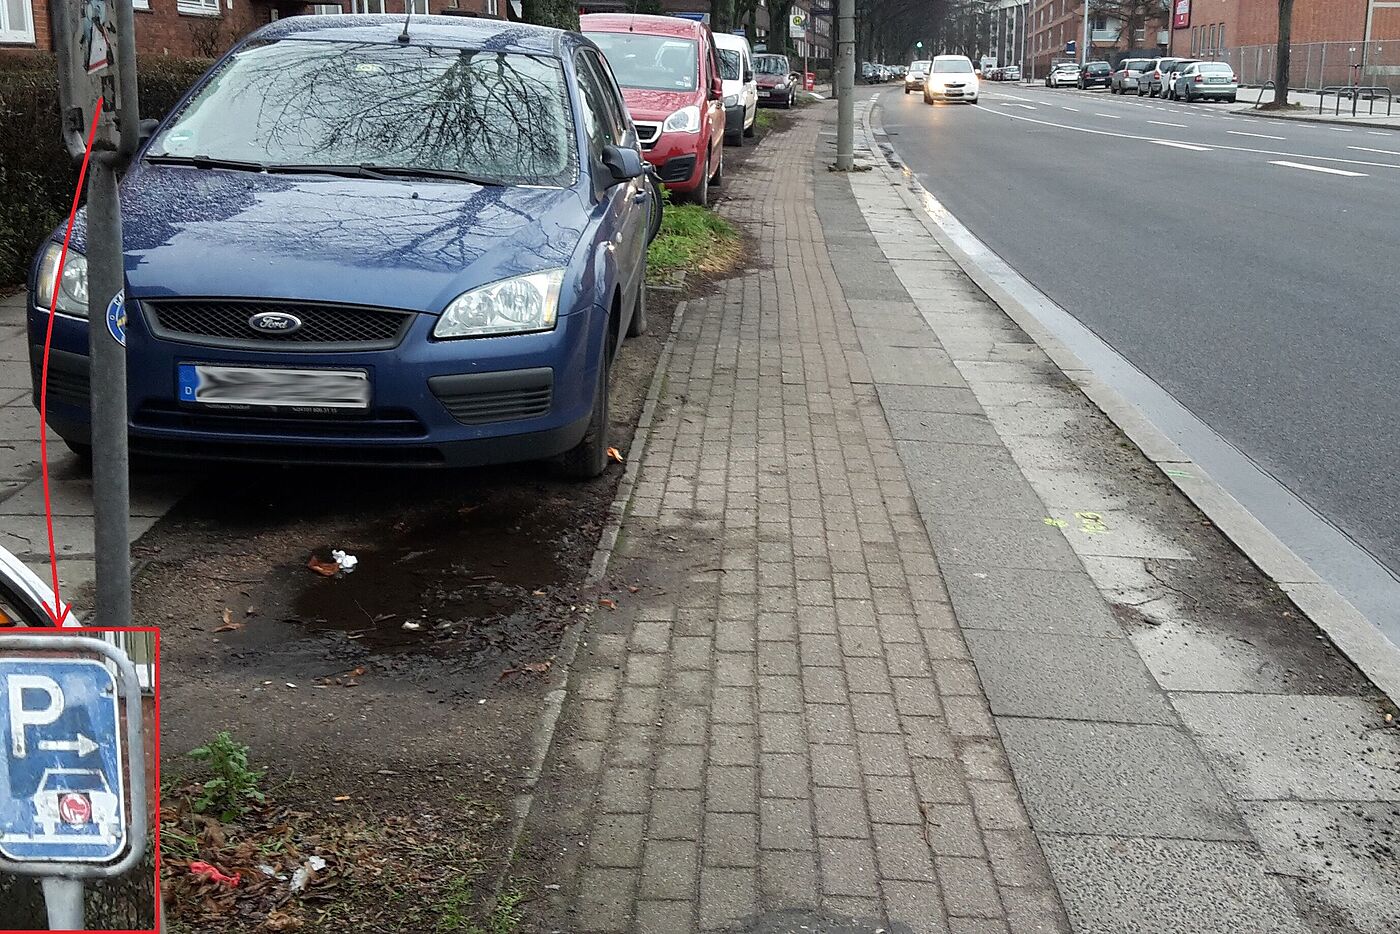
1263	296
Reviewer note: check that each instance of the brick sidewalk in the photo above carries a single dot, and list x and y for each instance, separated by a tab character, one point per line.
783	724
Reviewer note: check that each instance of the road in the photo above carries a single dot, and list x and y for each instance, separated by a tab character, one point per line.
1246	265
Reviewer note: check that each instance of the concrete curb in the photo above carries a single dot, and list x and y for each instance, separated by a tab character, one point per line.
1348	629
542	737
1326	121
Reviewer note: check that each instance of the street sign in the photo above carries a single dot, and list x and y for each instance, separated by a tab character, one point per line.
1070	46
797	25
1181	14
62	786
85	36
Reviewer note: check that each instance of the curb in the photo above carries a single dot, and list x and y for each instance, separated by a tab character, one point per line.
1324	120
542	737
1350	631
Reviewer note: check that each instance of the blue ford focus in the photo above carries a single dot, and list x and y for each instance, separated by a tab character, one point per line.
362	242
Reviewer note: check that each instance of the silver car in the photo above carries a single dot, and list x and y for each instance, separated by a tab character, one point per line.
1205	80
1125	76
914	77
1151	81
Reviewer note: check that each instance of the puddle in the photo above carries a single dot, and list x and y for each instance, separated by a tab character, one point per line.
472	580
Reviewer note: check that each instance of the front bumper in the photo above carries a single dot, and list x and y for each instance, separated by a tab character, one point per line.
950	94
432	402
914	83
774	95
679	159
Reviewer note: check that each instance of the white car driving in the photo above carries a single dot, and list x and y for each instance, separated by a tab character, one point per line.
951	78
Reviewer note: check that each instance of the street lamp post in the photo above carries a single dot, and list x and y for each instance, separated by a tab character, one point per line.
1084	57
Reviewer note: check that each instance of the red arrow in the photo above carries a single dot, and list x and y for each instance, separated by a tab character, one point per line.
60	610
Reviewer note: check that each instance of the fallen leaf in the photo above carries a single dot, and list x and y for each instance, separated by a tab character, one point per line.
229	625
324	568
341	798
615	455
607	602
633	588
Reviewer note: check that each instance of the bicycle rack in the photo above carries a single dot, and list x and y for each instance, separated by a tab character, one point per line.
1266	86
1354	94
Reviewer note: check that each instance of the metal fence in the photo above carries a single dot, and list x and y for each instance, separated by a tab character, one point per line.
1317	65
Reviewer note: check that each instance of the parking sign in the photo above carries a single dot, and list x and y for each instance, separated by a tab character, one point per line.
62	789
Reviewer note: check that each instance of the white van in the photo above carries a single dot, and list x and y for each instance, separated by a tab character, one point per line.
740	88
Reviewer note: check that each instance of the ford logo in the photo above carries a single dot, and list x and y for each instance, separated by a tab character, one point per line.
274	322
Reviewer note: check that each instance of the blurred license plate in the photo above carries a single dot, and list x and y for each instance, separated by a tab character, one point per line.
248	385
1219	80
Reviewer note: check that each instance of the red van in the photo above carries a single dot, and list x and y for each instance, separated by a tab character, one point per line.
668	70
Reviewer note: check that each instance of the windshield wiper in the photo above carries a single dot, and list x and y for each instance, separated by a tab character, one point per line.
350	171
425	172
207	162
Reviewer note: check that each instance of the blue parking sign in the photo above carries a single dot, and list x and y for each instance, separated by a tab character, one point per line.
62	789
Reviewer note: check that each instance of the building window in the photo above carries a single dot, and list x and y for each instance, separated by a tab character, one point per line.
367	6
140	4
417	6
1213	46
197	7
1222	36
326	9
1140	34
16	21
493	8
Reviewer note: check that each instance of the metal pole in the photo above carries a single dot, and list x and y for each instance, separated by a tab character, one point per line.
1085	59
64	900
846	71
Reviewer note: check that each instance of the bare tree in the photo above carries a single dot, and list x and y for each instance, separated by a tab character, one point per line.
1133	14
1285	47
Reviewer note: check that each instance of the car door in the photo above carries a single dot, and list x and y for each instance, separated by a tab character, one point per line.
709	74
622	206
750	85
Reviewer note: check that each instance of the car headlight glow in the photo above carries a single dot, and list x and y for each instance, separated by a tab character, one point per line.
510	306
685	120
780	86
731	100
72	292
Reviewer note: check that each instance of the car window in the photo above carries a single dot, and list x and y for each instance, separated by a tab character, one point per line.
495	115
730	65
593	109
658	63
1098	68
1215	68
952	66
614	109
770	64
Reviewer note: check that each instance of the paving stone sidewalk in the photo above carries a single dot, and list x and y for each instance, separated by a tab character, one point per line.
785	717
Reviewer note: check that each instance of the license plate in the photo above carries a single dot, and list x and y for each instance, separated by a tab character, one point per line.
208	384
764	93
1219	80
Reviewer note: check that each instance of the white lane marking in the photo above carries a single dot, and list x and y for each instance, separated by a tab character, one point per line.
1213	146
1176	145
1109	116
1014	97
1073	110
1376	133
1179	126
1317	168
1255	135
1342	129
1025	106
1388	152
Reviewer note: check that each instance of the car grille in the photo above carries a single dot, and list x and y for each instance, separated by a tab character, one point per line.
385	423
480	399
648	134
323	327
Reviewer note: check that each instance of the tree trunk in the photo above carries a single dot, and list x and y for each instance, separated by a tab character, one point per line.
1285	45
722	15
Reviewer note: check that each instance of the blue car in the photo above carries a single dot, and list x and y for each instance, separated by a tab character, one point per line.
363	242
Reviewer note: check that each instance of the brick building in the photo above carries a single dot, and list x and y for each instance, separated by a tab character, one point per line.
1053	24
205	28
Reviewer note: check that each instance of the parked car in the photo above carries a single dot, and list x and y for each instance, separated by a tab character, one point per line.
1062	75
1125	77
354	243
669	71
914	77
1094	75
1169	73
24	596
1011	73
1208	80
740	86
777	82
951	78
1152	80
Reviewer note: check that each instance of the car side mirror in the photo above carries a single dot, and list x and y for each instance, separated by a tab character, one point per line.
146	129
716	88
624	163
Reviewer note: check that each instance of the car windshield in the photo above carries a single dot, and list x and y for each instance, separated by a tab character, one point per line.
1098	68
770	64
921	67
1215	68
655	63
487	115
952	66
729	63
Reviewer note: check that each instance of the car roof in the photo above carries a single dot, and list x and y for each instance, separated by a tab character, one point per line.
441	31
637	22
727	40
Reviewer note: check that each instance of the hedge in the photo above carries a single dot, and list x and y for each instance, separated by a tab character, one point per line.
36	174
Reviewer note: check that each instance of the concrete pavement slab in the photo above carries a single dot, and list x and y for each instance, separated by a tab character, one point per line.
981	544
1288	746
909	367
907	425
1029	674
1115	886
1023	600
971	479
955	400
1347	857
1117	779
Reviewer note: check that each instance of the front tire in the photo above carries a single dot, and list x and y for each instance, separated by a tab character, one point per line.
589	458
717	179
638	325
701	194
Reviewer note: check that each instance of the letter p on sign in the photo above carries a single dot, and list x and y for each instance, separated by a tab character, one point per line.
21	717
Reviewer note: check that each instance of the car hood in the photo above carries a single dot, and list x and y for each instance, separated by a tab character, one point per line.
390	242
655	106
768	81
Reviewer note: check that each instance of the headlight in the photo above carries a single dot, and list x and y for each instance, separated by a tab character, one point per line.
73	292
685	120
731	100
780	86
511	306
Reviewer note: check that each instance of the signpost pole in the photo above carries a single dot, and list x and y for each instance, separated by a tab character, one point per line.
846	81
64	900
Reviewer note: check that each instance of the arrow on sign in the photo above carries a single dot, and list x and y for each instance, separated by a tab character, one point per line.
82	745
